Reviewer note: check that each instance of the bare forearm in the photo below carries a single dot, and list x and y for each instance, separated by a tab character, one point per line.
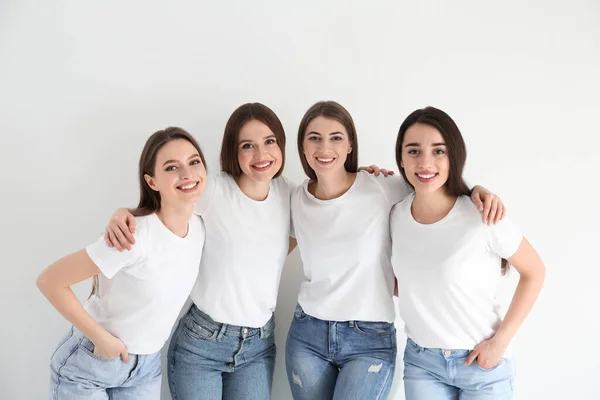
65	301
523	300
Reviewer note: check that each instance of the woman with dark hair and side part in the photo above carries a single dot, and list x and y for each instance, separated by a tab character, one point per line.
448	265
342	341
113	349
224	347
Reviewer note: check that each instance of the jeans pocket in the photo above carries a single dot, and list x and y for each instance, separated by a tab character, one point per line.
299	314
196	330
374	328
87	347
500	363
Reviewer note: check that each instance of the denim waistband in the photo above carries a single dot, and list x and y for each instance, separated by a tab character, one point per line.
203	319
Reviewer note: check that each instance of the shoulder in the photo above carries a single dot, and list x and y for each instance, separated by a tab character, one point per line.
393	187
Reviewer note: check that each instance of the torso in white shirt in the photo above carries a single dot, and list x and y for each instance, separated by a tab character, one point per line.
345	248
448	274
142	291
246	246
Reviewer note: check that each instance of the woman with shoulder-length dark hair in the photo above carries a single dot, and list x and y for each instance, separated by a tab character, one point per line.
113	349
448	265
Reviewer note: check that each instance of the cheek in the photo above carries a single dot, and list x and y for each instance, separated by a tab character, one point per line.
244	159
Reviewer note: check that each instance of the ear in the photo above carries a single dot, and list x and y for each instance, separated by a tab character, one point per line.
402	164
350	150
150	182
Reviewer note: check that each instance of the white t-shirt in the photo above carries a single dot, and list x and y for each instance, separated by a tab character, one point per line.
246	246
448	274
141	292
345	247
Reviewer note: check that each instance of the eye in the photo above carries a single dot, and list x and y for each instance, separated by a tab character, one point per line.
247	146
439	152
337	138
196	162
270	141
413	152
314	138
171	168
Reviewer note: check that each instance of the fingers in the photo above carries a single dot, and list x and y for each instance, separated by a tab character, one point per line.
493	211
501	213
375	169
123	233
120	236
477	201
114	240
487	206
472	356
131	223
386	172
107	239
125	356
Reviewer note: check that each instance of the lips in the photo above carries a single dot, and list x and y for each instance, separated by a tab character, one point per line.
325	160
426	177
262	165
188	187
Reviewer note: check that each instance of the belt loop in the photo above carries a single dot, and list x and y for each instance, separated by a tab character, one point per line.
351	324
222	331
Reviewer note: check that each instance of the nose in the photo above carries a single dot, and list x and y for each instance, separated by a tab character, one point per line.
185	172
425	160
259	151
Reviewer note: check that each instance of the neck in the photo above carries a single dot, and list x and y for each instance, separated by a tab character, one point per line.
255	190
332	186
431	207
176	218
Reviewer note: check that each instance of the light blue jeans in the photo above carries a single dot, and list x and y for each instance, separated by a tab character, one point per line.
340	360
210	360
441	374
76	373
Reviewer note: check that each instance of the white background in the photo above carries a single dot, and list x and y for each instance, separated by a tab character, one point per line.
83	85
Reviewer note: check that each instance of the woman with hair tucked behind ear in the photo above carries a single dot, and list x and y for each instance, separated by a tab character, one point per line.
113	349
448	265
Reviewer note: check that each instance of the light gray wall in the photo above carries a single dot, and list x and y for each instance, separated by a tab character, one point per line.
83	84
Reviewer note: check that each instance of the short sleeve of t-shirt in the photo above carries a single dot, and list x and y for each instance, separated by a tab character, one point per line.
504	238
394	187
109	260
206	200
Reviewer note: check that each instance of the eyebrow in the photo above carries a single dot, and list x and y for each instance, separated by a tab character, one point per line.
332	133
175	161
418	144
250	141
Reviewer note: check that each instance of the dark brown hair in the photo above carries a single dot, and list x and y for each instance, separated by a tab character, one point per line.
455	147
244	113
149	198
335	111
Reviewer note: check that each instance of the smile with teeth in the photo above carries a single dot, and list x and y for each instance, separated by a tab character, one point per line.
188	186
324	160
426	176
261	166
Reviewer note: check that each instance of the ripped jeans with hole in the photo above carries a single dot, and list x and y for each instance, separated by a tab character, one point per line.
347	360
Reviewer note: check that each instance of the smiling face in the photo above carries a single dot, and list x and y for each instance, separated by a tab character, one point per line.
424	158
326	145
179	174
259	154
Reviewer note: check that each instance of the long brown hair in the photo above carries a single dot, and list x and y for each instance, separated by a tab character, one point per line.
335	111
149	198
455	147
245	113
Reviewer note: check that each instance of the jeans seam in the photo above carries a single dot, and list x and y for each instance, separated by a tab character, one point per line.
75	348
387	378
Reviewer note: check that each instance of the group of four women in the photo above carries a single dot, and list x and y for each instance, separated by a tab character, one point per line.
361	235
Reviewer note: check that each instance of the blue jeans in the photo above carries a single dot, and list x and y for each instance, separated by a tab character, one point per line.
340	360
77	373
209	360
441	374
